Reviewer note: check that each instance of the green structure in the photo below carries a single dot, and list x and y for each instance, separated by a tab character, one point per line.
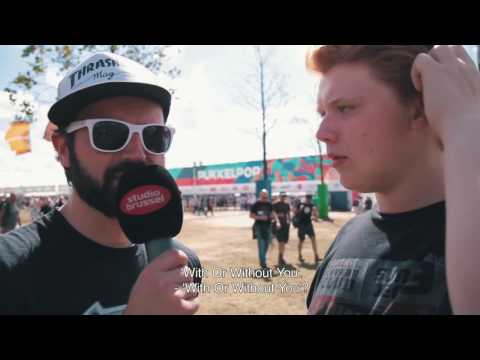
322	201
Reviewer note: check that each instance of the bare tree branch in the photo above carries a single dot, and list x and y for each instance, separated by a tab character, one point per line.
272	125
263	90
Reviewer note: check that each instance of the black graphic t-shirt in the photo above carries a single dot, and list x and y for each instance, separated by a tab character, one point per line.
282	210
304	213
48	267
385	264
262	208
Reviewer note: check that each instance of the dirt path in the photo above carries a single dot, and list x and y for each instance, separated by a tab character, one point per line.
230	256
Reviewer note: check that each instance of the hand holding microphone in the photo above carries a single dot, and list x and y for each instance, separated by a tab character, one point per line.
149	208
149	211
159	288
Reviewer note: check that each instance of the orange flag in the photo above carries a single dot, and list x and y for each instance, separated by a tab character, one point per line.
18	137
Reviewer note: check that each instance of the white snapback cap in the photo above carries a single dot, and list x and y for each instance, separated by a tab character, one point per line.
101	76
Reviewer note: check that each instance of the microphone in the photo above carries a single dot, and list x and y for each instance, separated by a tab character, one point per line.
149	207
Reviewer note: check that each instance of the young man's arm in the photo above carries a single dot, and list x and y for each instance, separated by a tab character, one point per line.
160	288
295	209
463	232
450	82
275	216
253	212
315	214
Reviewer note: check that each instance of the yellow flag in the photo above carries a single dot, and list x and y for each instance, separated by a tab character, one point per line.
18	137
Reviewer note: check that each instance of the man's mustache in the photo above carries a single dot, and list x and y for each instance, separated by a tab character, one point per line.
117	170
112	174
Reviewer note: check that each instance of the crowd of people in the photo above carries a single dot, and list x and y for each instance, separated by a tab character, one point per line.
273	220
204	204
37	206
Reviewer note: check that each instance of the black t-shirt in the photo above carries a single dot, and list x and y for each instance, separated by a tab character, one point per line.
282	210
385	264
48	267
45	209
304	213
262	208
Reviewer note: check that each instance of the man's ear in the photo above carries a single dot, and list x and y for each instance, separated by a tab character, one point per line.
419	119
59	142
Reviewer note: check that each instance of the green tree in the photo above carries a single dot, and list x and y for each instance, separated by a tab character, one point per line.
63	57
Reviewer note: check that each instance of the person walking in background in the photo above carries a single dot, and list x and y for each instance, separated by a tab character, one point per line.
305	212
282	212
262	212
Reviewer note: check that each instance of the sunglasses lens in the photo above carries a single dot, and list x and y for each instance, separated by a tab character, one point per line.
157	139
109	135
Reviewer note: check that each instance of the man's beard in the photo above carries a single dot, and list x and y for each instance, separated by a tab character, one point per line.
100	196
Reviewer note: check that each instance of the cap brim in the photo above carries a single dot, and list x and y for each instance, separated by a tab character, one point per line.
65	110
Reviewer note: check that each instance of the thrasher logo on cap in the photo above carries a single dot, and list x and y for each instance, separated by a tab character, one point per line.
105	75
145	199
88	68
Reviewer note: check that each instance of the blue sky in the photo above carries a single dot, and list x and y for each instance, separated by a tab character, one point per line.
10	57
211	125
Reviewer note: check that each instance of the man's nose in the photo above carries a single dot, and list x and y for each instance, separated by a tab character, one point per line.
134	149
326	133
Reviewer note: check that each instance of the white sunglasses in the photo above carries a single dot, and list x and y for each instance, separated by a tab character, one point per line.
111	135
